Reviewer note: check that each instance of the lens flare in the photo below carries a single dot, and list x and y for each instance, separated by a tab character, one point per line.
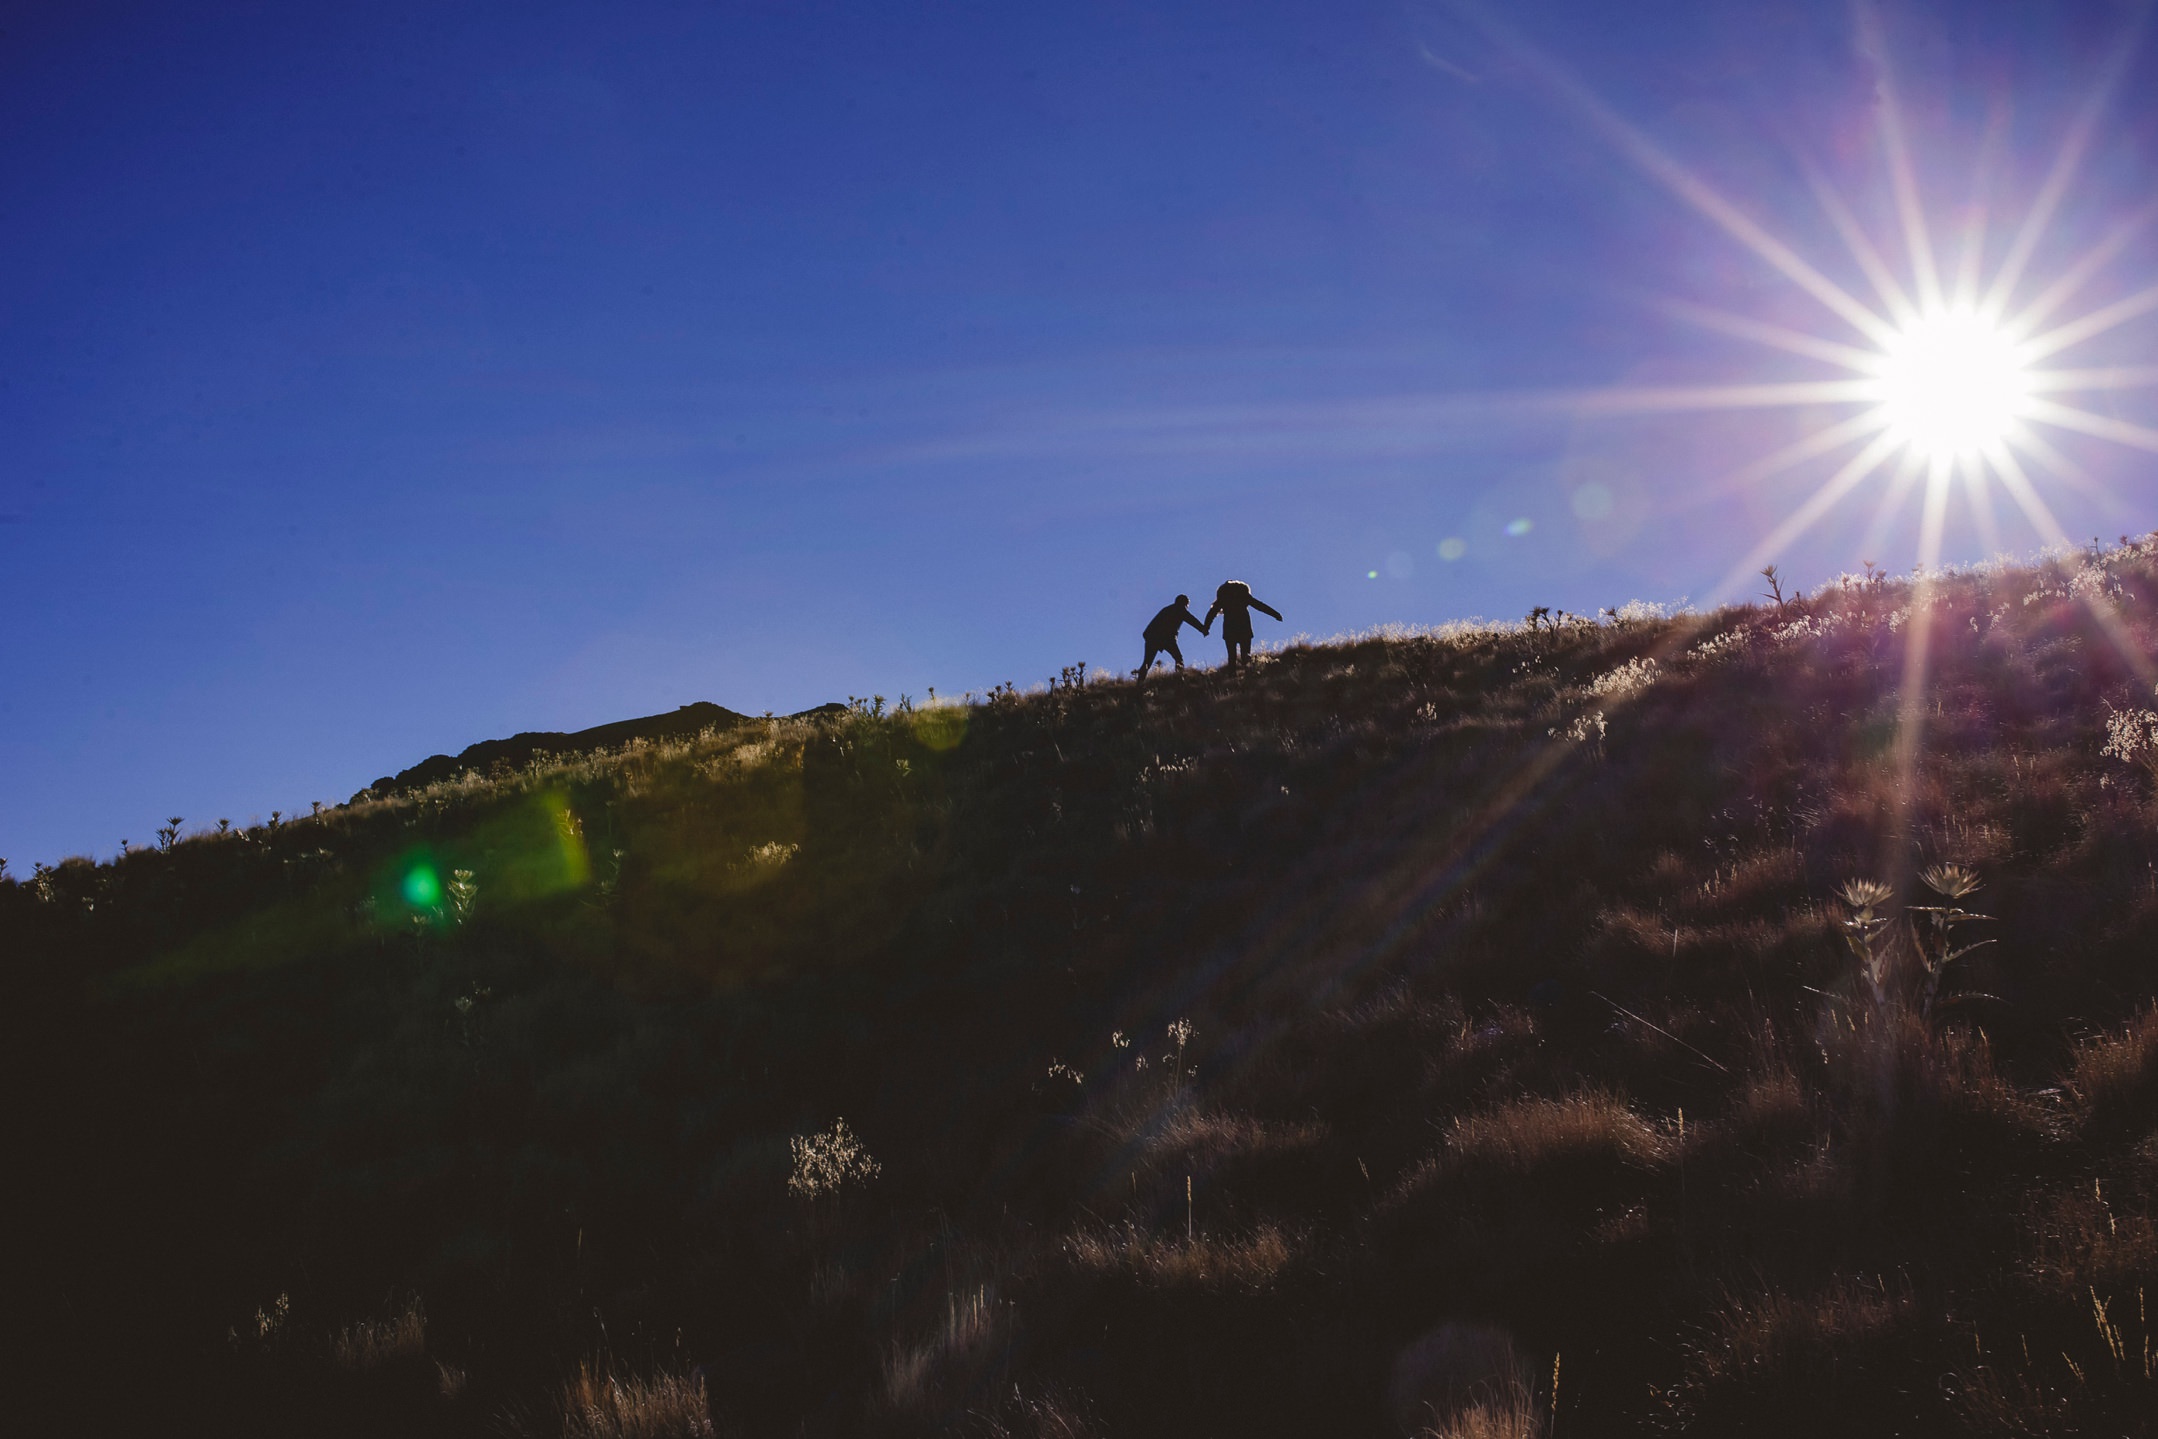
1953	384
1955	377
422	887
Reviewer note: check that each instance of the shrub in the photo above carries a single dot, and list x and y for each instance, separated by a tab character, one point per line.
600	1404
2113	1080
1534	1136
377	1343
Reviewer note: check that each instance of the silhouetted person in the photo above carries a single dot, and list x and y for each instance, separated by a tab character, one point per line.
1161	632
1234	602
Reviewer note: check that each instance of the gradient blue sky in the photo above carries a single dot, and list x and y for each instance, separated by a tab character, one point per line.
377	379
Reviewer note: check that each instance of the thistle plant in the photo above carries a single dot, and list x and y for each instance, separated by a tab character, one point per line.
464	894
824	1164
266	1328
1775	585
1589	728
1867	933
2132	737
1181	1033
168	834
1935	937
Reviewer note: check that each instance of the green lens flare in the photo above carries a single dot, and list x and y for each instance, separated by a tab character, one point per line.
423	887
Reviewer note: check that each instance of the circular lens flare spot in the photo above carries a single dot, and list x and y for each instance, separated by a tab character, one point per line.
1952	384
422	887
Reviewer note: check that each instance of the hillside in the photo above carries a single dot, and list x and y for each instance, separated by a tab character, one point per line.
497	756
1475	1031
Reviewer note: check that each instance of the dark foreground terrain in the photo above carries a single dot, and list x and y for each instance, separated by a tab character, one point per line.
1477	1032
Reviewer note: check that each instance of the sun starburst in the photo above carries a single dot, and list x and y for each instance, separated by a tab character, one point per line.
1952	384
1942	378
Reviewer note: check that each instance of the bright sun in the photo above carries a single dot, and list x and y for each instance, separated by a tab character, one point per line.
1951	377
1952	384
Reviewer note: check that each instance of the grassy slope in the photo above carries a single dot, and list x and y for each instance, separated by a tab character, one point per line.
1452	980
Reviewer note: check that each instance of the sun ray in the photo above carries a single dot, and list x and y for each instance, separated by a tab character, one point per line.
1682	182
2060	466
1824	499
2096	323
2067	417
1777	337
1855	239
1970	251
1666	399
1970	257
1902	178
1917	652
2116	377
2025	494
1980	495
2019	487
2079	274
1823	441
1940	474
1884	514
2055	187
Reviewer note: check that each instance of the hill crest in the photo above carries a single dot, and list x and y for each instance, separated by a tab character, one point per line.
684	722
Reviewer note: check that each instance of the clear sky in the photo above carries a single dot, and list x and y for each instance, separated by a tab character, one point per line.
376	379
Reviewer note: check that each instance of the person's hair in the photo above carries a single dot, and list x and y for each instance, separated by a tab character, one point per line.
1183	599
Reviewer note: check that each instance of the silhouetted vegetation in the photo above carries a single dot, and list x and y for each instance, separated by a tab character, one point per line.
1652	1024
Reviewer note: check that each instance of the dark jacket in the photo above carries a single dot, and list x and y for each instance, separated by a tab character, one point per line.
1161	630
1234	602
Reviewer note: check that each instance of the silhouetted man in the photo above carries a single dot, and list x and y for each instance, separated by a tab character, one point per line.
1161	632
1234	602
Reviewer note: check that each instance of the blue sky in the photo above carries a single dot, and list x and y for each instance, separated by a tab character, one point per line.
380	381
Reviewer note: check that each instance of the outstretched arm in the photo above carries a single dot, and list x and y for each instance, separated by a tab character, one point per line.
1186	617
1259	604
1210	616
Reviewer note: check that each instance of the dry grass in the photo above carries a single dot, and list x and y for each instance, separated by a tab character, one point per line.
598	1403
1512	1415
1464	1381
1522	1137
1774	1353
2112	1081
373	1344
1024	1414
923	1379
1249	1262
2085	1238
2095	1374
1207	1135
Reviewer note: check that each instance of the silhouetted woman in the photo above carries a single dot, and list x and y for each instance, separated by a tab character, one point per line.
1234	602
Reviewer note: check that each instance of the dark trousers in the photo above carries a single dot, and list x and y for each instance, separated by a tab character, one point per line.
1239	643
1158	647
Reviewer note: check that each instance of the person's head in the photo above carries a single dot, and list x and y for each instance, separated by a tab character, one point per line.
1183	600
